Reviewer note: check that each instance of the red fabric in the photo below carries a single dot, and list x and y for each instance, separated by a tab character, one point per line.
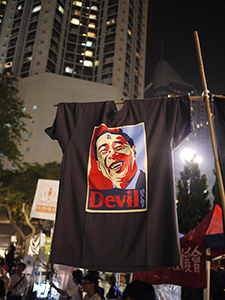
191	273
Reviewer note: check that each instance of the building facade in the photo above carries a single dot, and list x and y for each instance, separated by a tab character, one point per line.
2	12
100	41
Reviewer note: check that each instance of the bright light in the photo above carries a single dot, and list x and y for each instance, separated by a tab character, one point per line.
198	159
188	154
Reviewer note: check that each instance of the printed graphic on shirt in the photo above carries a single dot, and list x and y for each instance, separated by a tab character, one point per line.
117	170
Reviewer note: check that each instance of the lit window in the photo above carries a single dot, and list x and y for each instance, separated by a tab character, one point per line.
136	72
77	3
88	63
112	21
75	21
89	43
76	12
91	25
138	55
91	34
91	16
94	7
88	53
19	7
36	8
4	2
60	8
28	149
8	64
96	63
68	70
129	32
34	107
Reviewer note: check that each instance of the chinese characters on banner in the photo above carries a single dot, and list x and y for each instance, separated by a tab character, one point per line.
45	199
191	272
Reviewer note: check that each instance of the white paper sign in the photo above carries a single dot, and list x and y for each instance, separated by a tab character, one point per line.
45	199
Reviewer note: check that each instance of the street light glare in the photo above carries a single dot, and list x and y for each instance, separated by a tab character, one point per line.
188	154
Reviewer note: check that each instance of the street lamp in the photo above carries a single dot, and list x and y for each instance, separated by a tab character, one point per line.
188	154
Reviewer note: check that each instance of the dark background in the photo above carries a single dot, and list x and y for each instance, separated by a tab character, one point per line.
172	24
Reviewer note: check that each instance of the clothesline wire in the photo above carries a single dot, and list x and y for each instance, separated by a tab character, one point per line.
191	98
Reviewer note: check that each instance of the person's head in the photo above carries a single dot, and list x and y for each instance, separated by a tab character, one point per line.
112	280
4	270
21	267
139	289
90	284
77	276
115	153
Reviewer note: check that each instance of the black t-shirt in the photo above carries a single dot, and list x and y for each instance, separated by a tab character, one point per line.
116	208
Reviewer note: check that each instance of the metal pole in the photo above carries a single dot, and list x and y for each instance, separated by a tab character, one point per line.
217	165
206	98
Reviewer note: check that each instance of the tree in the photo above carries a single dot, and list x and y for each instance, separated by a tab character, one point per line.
12	117
192	207
193	204
17	193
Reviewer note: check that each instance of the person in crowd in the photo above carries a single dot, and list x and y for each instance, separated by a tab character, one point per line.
139	289
114	292
9	258
18	283
99	289
5	278
76	293
90	285
2	289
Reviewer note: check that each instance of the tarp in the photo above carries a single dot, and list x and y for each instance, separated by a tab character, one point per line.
192	271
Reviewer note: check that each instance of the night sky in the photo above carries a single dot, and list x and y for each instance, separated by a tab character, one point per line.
173	22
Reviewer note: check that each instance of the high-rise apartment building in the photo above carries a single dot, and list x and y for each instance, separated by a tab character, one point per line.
100	41
2	12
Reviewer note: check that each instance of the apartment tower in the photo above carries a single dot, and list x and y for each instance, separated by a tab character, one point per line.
100	41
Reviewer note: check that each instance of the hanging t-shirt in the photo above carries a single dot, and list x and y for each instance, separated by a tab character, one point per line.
116	208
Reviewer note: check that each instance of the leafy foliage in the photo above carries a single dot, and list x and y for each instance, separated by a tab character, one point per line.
19	187
193	204
11	118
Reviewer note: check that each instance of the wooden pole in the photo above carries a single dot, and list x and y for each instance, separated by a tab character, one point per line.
206	98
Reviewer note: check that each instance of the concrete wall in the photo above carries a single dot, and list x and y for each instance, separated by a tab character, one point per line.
40	93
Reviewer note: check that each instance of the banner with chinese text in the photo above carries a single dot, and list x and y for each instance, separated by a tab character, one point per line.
191	272
45	199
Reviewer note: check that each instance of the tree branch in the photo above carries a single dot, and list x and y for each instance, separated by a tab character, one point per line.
16	227
28	220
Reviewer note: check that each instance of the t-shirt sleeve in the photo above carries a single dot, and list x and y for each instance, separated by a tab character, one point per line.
64	124
178	119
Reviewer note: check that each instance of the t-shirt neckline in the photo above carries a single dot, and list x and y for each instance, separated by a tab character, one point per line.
118	113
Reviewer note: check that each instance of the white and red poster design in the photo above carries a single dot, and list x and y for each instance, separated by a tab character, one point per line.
117	170
45	199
